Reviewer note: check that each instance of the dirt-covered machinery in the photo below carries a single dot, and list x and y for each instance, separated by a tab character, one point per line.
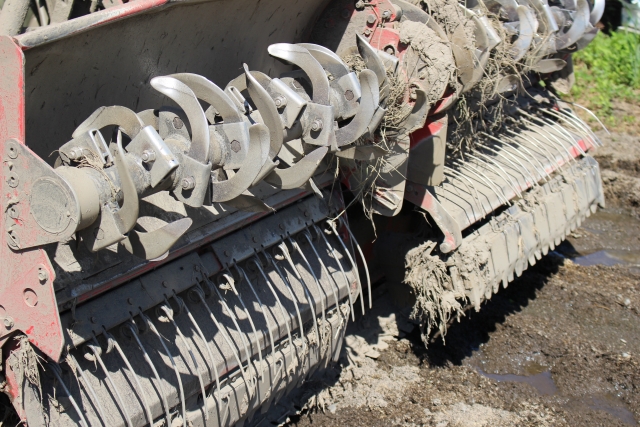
175	242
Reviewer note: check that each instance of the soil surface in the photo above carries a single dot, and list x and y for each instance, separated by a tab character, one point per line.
559	347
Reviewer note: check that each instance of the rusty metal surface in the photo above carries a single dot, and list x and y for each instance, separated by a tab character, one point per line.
27	300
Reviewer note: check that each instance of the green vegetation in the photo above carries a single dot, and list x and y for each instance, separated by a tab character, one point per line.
607	75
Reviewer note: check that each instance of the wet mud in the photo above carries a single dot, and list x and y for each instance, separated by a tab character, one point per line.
559	347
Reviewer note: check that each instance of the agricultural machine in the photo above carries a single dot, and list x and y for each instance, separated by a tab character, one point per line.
188	187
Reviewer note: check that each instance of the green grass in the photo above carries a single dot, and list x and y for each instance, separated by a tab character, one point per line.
608	70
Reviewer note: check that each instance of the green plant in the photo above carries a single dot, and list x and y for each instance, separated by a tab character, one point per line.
608	70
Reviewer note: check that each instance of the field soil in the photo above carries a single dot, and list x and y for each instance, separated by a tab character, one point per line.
559	347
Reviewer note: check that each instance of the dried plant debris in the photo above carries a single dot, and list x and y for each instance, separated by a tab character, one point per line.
437	301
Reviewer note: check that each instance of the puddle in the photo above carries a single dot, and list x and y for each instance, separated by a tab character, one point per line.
608	257
542	382
612	406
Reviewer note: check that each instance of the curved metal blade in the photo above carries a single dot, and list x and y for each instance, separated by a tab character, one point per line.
596	12
374	63
182	95
368	103
578	27
329	60
154	244
123	117
549	65
528	24
301	57
364	153
268	111
212	94
245	202
257	155
297	175
127	215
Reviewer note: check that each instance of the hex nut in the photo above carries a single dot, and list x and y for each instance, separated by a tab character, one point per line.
188	183
316	125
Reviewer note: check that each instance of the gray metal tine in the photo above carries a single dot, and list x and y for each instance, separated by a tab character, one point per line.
582	124
55	368
287	285
364	261
96	350
497	170
214	370
244	275
315	279
73	364
234	319
283	310
231	282
153	329
124	358
552	158
561	130
502	197
133	330
168	311
332	224
592	115
334	288
506	176
573	123
509	142
200	293
531	140
470	184
542	130
505	152
346	278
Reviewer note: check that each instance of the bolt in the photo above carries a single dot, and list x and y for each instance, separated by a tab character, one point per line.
13	149
148	156
93	319
280	101
188	183
367	32
13	181
75	153
165	284
235	146
226	253
386	14
43	275
359	5
349	95
371	19
390	50
254	239
316	125
8	322
13	212
177	123
307	214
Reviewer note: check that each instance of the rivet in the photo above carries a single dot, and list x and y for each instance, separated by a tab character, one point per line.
177	123
226	253
43	275
165	284
254	239
93	319
371	19
349	95
235	146
8	322
130	301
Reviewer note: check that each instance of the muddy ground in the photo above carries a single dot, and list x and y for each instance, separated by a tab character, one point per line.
559	347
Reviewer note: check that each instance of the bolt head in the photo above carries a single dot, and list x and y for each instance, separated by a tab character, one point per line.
178	123
371	19
8	322
148	156
12	148
93	320
43	275
165	284
188	183
280	101
367	32
349	95
316	125
235	146
360	5
386	14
